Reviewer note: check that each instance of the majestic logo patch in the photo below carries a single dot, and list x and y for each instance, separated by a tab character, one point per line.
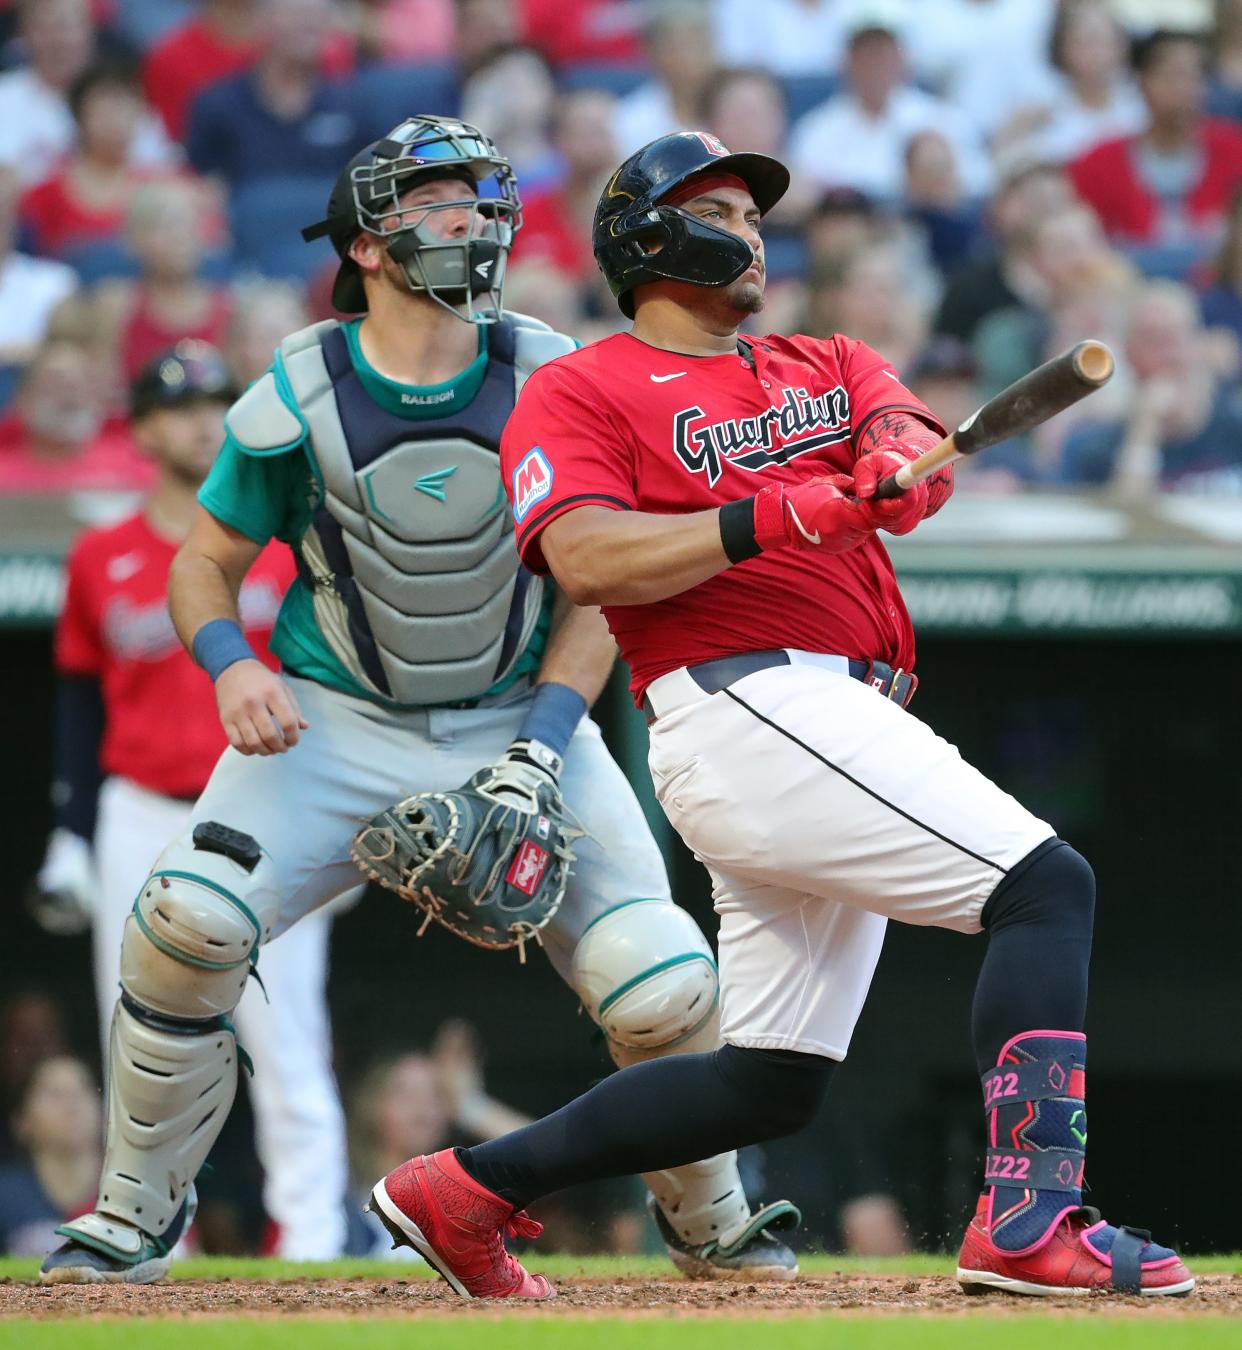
532	481
433	483
803	422
526	870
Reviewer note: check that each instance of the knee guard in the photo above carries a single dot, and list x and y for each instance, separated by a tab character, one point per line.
187	951
648	979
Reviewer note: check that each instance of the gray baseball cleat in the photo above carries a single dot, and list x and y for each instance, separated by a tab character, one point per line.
754	1254
103	1250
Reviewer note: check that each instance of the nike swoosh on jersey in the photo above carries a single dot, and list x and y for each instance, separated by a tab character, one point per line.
124	567
810	538
890	375
664	379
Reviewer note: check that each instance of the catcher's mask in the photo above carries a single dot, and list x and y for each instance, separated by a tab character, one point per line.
464	274
633	216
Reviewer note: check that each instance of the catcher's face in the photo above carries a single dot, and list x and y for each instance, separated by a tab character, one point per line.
734	209
443	207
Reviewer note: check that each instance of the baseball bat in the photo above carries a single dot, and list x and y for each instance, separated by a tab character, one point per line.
1037	396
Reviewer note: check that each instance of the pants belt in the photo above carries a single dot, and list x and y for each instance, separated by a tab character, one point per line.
713	676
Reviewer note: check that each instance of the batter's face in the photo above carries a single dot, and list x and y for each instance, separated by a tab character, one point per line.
734	209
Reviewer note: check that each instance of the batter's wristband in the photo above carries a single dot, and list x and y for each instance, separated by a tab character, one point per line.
737	530
220	644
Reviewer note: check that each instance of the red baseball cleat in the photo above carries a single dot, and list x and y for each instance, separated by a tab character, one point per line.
435	1206
1082	1254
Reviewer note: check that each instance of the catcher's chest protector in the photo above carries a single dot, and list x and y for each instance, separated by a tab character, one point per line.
416	580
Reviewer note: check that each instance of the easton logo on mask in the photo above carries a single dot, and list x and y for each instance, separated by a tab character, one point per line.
803	422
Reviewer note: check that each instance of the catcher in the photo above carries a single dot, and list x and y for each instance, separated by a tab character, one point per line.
415	649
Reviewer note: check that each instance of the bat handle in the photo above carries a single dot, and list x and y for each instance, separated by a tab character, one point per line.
892	486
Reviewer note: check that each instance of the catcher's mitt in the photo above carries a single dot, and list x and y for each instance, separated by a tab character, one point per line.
489	860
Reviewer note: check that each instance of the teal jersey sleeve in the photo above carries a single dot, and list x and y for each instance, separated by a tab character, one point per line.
262	496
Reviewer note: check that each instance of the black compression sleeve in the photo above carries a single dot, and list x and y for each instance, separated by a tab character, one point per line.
78	729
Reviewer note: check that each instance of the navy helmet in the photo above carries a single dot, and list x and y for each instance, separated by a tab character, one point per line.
190	372
638	238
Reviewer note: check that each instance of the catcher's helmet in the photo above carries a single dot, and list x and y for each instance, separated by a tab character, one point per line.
630	217
190	372
452	271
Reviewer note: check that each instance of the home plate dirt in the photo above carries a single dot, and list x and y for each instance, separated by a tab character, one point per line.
891	1294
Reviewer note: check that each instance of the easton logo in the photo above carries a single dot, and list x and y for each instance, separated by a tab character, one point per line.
532	481
803	422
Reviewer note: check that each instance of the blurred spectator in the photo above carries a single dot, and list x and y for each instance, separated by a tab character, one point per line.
679	52
1184	425
59	1130
31	1031
858	138
167	229
944	375
84	202
281	117
30	288
556	223
510	95
263	314
587	30
1028	193
36	123
1172	183
874	297
1088	96
545	292
1222	300
873	1225
222	39
934	200
745	107
1069	258
484	27
56	438
986	57
842	222
1225	95
415	1103
793	37
406	31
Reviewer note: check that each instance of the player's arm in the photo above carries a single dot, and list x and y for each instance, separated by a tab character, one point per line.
259	714
576	664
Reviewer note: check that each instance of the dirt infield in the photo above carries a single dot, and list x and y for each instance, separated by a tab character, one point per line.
1217	1295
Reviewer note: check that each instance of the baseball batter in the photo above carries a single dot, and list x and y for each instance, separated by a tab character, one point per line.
716	495
132	707
416	653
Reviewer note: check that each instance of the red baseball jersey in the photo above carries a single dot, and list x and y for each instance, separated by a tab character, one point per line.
632	427
161	729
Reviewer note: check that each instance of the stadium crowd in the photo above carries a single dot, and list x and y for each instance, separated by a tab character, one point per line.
978	184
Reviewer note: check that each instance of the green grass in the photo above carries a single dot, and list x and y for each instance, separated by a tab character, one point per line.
1098	1332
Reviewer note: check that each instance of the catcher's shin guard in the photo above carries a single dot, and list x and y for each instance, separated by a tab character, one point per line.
187	951
1031	1233
708	1228
646	975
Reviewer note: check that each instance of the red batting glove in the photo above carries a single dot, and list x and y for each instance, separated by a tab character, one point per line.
897	515
818	514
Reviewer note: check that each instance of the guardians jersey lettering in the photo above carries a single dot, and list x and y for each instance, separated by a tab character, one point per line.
774	436
626	426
